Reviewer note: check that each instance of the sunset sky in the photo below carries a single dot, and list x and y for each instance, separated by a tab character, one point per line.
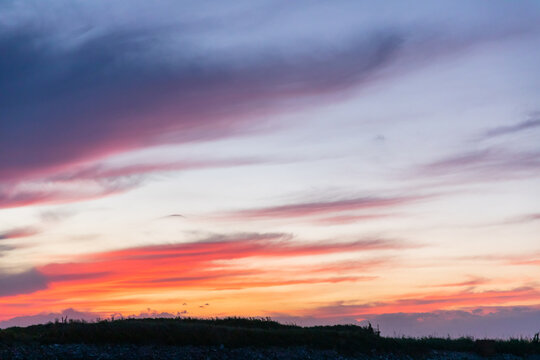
318	162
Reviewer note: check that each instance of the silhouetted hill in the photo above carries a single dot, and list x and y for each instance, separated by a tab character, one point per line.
235	333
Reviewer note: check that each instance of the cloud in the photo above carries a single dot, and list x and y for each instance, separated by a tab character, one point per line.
523	219
304	209
216	263
55	216
101	171
408	303
76	95
485	165
6	248
530	124
525	259
28	194
247	245
472	282
349	219
22	283
108	95
173	216
97	180
18	233
503	322
81	91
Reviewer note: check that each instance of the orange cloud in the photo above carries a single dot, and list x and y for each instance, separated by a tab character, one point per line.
109	279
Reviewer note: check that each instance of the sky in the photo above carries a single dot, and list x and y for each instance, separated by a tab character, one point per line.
318	162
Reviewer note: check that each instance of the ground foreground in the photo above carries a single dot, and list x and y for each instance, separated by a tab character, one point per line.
236	338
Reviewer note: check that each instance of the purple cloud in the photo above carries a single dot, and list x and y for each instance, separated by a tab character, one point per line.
503	322
105	96
22	283
103	92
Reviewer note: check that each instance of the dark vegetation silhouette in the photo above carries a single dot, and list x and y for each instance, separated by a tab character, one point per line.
237	332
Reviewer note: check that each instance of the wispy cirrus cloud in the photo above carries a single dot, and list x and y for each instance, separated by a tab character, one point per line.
329	207
35	194
349	219
20	232
484	165
469	283
522	219
102	171
97	180
491	163
531	124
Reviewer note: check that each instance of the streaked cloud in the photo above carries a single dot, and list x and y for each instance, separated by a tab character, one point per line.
485	165
326	207
349	219
527	125
214	264
469	283
35	194
138	102
431	302
18	233
97	180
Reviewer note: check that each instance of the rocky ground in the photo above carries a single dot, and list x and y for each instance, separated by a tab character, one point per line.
128	352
